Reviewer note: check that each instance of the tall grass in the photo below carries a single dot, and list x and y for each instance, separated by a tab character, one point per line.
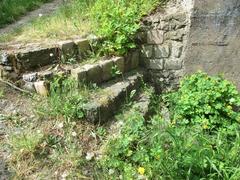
10	10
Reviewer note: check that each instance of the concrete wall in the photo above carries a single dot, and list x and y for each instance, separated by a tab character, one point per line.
214	39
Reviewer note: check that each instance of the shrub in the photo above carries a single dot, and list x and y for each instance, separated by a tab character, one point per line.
211	102
118	21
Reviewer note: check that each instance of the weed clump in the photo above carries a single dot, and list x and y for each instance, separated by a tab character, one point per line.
201	141
210	102
117	22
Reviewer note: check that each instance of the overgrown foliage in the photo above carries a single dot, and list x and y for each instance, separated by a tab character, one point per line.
185	148
66	99
118	21
211	102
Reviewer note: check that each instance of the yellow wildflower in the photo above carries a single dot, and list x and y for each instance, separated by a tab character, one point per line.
205	126
141	170
229	107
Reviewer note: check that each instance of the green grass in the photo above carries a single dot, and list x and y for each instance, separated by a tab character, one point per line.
196	144
10	10
56	145
115	22
68	21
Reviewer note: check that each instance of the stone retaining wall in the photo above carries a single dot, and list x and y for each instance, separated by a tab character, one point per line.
163	40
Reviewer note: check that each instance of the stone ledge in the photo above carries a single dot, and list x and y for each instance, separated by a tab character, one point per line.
30	56
103	106
102	71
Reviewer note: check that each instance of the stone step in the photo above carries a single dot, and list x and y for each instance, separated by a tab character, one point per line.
102	106
142	103
105	70
26	57
99	72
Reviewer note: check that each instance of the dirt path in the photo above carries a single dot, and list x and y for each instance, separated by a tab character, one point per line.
44	10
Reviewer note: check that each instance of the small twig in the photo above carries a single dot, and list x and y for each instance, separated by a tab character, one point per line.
15	87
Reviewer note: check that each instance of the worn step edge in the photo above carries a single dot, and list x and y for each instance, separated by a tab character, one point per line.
89	73
103	70
37	55
102	107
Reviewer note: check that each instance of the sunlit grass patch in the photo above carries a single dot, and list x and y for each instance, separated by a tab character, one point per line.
71	19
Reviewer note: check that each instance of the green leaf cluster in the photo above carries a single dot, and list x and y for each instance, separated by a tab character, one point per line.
200	142
211	102
118	21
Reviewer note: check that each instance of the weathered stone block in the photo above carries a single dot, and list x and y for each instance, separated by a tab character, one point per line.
155	37
83	47
132	60
79	74
162	51
147	51
29	86
177	49
175	35
4	60
173	64
37	58
164	25
8	68
30	77
45	75
94	73
155	64
101	107
135	56
42	88
106	69
119	62
68	49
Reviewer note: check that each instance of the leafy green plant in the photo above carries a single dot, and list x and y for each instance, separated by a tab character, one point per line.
157	149
122	148
115	71
211	102
118	21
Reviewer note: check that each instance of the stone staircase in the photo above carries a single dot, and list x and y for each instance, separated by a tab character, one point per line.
33	67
